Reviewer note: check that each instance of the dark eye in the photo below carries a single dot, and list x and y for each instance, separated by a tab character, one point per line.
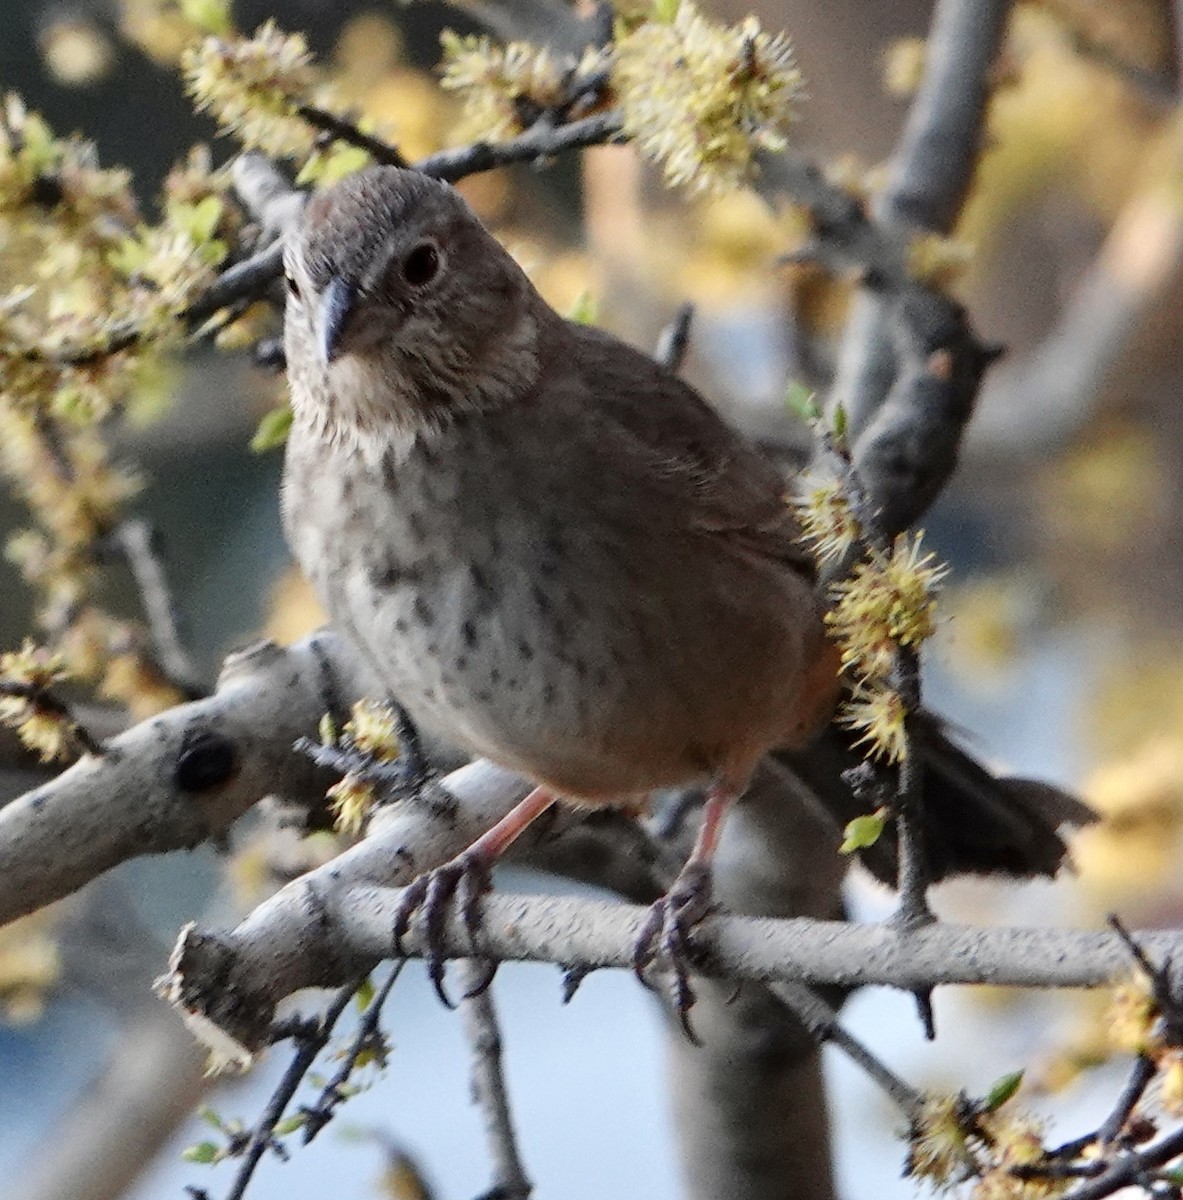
290	283
421	265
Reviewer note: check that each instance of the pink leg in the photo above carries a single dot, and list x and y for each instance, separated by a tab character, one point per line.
465	877
493	843
666	932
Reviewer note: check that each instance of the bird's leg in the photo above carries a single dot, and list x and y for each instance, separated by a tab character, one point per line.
465	877
666	932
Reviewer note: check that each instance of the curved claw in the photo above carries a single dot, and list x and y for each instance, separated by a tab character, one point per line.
666	938
465	877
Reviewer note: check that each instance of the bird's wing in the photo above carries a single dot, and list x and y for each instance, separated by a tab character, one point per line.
727	485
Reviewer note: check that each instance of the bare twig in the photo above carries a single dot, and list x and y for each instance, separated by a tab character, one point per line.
1130	1169
489	1089
135	537
913	877
541	141
822	1022
310	1041
344	130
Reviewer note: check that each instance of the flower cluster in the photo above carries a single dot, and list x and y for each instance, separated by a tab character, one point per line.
701	99
888	601
80	345
954	1138
254	86
502	87
26	675
370	732
828	525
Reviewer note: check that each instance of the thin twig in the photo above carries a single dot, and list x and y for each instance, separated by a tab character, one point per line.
913	876
543	140
675	339
822	1022
309	1046
1130	1168
332	1094
135	537
344	130
1135	1087
510	1181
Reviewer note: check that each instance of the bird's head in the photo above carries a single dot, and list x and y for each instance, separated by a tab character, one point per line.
402	306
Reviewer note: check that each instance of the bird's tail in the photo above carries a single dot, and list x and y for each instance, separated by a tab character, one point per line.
975	823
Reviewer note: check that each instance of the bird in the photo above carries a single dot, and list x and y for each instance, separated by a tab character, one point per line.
557	555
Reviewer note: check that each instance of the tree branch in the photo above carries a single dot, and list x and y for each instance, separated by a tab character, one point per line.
928	176
181	778
328	926
541	141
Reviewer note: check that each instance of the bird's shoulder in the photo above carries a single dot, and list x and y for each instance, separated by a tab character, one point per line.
727	486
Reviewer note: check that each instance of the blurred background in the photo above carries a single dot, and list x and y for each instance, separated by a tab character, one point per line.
1060	653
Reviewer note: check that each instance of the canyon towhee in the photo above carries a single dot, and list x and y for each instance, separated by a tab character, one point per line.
555	553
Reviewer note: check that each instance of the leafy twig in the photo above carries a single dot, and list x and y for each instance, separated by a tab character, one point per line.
333	1093
310	1042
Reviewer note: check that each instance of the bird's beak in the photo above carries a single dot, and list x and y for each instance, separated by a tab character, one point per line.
336	307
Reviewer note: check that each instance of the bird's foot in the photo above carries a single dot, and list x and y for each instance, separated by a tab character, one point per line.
465	878
666	938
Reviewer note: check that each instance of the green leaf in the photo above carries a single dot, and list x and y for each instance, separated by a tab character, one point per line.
862	832
365	993
210	1117
210	16
664	11
585	310
198	220
202	1152
273	430
290	1124
1002	1090
802	402
840	423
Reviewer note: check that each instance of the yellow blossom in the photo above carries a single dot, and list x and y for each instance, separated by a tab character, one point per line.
30	964
253	87
371	728
28	672
1132	1018
1017	1141
828	527
903	66
350	801
937	260
1171	1083
939	1148
701	98
879	715
499	85
888	600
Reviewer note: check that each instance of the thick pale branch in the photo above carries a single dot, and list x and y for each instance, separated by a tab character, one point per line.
180	779
325	928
